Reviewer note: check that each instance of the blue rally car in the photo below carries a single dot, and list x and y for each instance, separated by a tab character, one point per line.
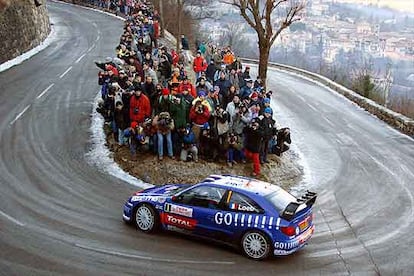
260	218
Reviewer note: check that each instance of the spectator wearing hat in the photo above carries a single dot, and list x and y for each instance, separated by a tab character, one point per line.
189	150
203	84
139	106
164	124
210	71
234	149
245	75
208	142
174	81
246	90
199	115
253	139
224	84
214	98
149	72
268	125
136	139
121	121
264	104
234	79
164	101
187	85
199	64
184	43
228	58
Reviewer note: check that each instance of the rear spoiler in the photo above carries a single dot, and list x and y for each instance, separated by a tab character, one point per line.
307	200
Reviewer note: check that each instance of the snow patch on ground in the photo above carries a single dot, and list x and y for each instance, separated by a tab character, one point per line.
25	56
100	156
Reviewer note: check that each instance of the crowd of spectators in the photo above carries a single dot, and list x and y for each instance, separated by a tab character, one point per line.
154	103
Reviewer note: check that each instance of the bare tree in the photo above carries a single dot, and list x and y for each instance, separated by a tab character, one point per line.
268	18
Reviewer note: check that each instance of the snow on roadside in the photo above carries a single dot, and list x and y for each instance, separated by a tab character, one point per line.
100	156
25	56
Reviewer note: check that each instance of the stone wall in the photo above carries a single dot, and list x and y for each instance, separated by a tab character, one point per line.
23	26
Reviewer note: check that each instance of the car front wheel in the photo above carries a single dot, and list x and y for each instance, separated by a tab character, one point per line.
146	218
256	245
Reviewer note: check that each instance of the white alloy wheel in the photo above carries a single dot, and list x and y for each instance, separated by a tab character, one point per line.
255	245
145	218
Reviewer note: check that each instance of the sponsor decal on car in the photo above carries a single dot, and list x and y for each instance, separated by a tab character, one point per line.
249	220
158	199
286	245
239	207
179	210
178	221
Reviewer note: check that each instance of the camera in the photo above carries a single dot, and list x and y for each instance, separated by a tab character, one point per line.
199	109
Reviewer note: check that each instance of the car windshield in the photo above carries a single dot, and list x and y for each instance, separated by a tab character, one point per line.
280	199
178	190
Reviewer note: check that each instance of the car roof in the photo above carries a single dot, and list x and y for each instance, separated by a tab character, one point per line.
246	184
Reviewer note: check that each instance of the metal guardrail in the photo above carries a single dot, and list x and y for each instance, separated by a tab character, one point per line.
397	120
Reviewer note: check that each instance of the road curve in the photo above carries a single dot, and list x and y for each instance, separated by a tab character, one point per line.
60	214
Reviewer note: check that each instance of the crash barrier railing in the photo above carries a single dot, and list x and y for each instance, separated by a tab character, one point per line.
397	120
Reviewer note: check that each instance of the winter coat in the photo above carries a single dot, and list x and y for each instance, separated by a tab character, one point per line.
179	114
163	122
199	118
268	127
139	108
253	139
187	86
199	64
210	71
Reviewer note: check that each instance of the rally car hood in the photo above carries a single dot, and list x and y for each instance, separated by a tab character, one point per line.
165	190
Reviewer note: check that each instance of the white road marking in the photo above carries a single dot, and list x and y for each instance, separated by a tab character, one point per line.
95	25
312	107
149	258
97	38
80	58
20	114
11	219
64	73
90	48
45	91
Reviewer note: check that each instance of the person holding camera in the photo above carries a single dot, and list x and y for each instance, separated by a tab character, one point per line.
136	139
189	150
164	124
234	149
199	115
253	139
139	106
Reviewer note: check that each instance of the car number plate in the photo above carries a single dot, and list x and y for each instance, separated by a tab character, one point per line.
304	224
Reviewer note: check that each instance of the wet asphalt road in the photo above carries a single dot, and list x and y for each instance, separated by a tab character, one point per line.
61	215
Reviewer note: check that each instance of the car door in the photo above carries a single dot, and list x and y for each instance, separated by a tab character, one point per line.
240	213
195	210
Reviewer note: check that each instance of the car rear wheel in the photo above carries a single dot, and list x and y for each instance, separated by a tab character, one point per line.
256	245
146	218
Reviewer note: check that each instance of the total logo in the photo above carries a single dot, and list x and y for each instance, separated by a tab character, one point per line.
179	221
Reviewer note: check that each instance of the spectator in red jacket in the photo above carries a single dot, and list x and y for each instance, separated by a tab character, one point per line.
199	115
199	64
188	86
139	106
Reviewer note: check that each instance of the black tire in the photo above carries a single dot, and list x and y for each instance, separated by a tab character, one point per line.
256	245
146	218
